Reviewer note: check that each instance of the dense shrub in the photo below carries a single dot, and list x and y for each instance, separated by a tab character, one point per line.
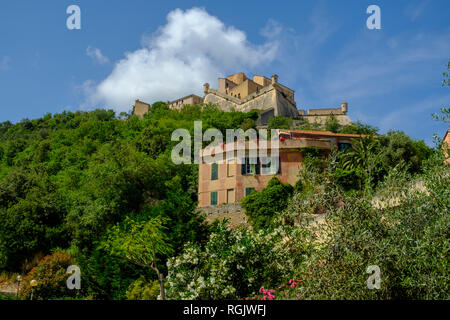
248	124
348	179
404	230
280	122
261	207
332	124
143	290
51	276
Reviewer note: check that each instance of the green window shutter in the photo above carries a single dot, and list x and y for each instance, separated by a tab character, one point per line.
214	171
213	198
248	191
258	166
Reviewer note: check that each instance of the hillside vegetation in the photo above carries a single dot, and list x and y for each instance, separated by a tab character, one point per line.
101	191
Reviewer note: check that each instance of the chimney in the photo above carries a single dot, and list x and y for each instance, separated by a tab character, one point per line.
274	79
206	88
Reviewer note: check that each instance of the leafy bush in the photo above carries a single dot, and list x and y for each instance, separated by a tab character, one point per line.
280	122
407	239
316	168
348	179
143	290
248	124
303	205
51	276
261	207
332	124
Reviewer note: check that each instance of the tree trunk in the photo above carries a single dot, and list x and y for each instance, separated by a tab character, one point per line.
161	286
162	290
155	268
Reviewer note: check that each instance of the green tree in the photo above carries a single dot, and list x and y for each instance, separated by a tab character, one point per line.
359	128
363	156
140	243
31	217
396	147
183	221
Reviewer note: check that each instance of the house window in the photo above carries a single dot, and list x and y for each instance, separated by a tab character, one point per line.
213	200
248	191
214	171
343	145
250	167
270	165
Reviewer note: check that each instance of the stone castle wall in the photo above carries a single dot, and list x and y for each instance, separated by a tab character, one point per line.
343	119
274	99
268	97
140	108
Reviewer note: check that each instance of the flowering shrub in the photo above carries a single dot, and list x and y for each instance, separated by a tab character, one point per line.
295	287
234	263
51	276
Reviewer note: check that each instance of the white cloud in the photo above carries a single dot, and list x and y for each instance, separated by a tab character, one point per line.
415	9
272	29
97	55
191	49
5	63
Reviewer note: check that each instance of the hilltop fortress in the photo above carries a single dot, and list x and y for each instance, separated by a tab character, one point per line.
260	93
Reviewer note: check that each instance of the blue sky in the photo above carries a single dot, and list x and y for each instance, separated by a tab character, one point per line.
154	50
